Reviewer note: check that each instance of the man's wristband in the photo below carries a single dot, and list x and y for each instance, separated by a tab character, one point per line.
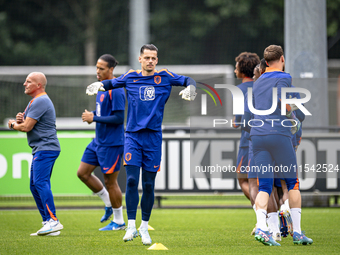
12	124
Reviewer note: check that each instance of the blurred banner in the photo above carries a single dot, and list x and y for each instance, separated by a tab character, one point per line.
16	158
318	159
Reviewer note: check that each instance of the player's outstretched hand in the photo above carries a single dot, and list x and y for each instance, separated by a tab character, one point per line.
93	88
296	124
291	108
189	93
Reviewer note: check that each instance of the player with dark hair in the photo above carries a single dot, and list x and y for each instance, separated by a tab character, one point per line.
256	73
263	66
147	91
150	47
244	69
272	143
107	148
38	121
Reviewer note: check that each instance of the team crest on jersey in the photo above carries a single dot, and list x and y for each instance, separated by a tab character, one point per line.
98	109
157	79
128	156
102	98
147	93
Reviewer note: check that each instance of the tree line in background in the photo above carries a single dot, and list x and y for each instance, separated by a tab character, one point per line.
76	32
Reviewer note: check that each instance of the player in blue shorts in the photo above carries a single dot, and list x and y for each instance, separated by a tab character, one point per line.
38	121
280	192
147	92
272	219
106	149
272	142
244	69
279	196
253	180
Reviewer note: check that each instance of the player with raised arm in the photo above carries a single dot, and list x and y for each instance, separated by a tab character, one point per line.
272	143
244	69
148	90
107	148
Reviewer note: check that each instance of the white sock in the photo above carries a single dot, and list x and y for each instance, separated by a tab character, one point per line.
104	195
118	215
273	222
254	207
132	223
287	205
144	224
283	208
261	216
277	222
296	218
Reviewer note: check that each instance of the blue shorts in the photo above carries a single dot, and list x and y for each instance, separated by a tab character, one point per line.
143	149
277	182
107	157
275	157
242	160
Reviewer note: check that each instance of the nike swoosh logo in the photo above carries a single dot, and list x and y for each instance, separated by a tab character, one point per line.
155	166
105	168
35	158
135	80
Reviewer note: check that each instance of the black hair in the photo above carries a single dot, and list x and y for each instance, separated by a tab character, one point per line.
247	62
111	61
263	65
148	47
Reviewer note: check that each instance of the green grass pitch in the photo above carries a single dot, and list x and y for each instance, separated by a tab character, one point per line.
182	231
